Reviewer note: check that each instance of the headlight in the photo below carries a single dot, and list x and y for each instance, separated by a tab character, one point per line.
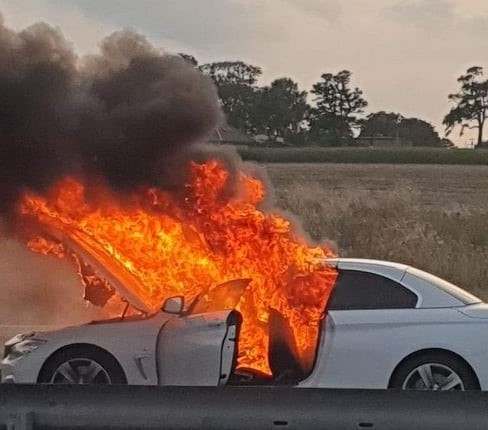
24	347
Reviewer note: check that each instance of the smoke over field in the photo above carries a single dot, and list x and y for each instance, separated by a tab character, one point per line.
38	291
125	116
128	115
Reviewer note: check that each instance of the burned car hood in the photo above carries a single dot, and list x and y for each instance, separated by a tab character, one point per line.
222	296
105	266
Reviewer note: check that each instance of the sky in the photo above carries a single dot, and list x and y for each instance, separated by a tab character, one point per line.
404	54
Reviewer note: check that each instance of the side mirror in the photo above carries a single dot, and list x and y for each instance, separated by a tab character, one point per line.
174	305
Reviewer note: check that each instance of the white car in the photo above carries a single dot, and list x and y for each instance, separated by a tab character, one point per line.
387	325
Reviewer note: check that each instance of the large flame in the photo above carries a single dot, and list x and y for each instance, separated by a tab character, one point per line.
186	244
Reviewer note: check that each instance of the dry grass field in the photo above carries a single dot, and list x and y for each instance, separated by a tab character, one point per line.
430	216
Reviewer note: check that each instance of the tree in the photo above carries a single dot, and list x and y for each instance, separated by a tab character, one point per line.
384	124
418	132
471	104
338	108
281	110
330	130
236	84
408	131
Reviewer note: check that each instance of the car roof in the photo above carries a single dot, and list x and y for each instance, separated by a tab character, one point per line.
388	268
430	291
353	261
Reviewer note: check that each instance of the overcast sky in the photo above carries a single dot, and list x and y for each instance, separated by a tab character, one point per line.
404	54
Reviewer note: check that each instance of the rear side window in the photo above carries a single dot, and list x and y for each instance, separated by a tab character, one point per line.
362	290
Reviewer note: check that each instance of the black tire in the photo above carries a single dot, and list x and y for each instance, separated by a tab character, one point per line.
80	359
410	375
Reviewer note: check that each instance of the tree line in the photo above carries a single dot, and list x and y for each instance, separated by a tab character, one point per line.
333	114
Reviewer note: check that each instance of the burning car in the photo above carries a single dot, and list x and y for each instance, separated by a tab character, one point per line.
267	306
159	244
386	325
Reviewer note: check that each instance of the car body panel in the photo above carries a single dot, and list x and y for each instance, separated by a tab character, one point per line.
362	348
110	336
189	350
430	293
392	271
437	292
477	310
190	346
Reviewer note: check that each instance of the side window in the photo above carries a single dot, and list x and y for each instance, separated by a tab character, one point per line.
362	290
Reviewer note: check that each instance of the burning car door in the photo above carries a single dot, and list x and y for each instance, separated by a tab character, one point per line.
200	348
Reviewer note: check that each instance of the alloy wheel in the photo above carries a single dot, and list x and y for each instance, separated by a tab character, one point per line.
80	371
433	377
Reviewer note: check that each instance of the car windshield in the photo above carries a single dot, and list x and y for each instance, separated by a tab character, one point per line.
453	290
223	296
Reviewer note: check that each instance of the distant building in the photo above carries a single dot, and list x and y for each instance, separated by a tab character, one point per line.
448	143
263	138
381	141
226	134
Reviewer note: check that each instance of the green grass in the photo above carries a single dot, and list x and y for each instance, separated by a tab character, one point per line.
365	155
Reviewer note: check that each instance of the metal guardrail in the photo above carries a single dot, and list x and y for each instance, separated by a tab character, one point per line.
26	407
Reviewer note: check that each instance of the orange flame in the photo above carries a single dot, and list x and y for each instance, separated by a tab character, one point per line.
185	245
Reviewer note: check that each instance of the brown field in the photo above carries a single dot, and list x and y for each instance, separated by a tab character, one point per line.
430	216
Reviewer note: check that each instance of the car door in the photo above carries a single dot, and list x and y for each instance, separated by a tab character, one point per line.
200	347
368	316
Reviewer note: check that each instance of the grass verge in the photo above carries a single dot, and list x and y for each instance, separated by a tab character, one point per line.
365	155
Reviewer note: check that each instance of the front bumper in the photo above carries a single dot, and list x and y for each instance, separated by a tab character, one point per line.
24	370
7	372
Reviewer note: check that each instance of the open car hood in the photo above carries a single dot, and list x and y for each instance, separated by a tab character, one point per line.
224	296
91	252
105	266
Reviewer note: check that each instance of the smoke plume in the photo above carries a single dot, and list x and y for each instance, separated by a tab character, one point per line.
129	115
45	292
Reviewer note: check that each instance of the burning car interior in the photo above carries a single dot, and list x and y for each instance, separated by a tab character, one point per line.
286	365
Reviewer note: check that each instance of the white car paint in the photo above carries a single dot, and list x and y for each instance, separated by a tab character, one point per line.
362	348
356	349
185	350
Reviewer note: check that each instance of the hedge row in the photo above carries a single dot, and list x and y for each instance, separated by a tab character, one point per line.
365	155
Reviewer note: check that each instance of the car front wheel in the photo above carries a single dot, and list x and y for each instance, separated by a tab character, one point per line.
82	366
434	372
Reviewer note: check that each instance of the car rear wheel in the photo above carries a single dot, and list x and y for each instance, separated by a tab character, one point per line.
82	366
434	372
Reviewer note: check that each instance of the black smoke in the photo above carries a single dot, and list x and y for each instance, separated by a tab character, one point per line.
130	114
